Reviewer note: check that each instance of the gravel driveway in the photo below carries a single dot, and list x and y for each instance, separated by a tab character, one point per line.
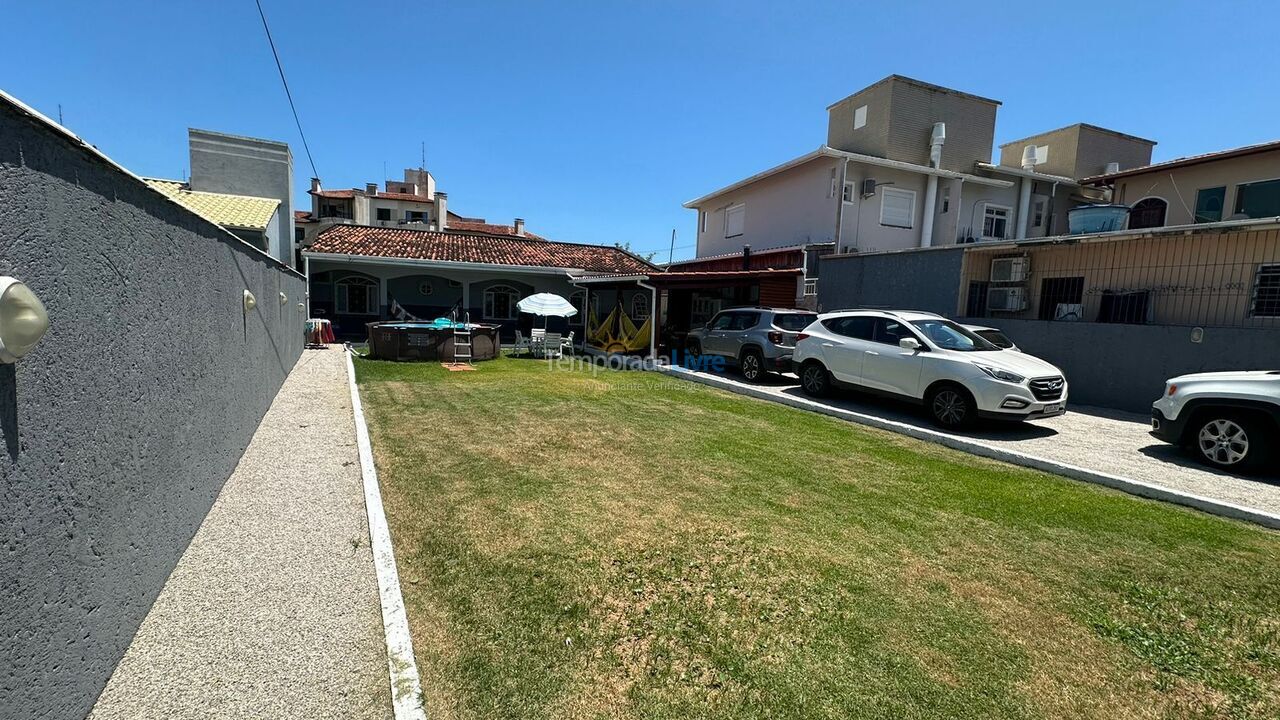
273	610
1098	439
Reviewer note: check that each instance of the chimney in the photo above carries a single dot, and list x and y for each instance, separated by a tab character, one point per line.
371	189
315	184
520	226
442	210
746	257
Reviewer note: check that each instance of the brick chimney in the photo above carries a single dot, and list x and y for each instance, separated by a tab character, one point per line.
520	226
371	189
442	210
315	184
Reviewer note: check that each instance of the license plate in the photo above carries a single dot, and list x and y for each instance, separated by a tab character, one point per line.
1053	408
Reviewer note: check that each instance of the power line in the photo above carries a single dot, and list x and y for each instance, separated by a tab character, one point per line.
305	146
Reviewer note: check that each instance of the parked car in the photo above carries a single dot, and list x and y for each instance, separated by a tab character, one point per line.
927	359
995	336
1231	419
756	339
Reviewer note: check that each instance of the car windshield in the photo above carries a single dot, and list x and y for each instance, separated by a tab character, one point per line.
794	322
995	337
950	336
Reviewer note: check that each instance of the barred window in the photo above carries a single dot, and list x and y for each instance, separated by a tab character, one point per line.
1266	292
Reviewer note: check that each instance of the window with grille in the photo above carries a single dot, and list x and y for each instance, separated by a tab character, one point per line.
1266	292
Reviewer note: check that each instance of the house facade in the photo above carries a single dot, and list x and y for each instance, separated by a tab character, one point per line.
246	166
908	164
357	273
1237	184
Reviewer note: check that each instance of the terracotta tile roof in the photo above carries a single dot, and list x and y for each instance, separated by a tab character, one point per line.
344	194
337	194
302	216
462	247
481	226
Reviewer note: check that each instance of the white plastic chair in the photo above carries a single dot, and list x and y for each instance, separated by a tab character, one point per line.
551	345
521	344
566	345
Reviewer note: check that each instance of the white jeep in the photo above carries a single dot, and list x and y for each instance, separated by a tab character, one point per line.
1232	419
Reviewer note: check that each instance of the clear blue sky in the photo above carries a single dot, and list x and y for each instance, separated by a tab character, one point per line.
596	120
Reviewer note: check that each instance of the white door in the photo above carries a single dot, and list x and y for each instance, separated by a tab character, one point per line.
888	367
844	350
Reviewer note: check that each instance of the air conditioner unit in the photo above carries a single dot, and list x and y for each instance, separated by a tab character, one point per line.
1010	269
1007	299
868	187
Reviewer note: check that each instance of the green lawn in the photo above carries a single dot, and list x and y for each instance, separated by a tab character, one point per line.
619	545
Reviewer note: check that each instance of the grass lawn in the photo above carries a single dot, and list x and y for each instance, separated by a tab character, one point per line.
624	545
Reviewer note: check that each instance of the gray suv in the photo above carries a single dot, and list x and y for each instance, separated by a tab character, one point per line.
756	339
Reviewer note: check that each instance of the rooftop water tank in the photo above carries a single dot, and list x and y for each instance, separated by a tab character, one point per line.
1096	218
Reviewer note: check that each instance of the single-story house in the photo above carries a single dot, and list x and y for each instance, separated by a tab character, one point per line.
356	273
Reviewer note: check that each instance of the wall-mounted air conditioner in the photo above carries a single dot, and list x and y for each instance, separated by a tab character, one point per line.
868	187
1011	269
1007	299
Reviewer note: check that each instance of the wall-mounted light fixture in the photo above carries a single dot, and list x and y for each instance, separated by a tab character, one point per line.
283	298
23	319
250	302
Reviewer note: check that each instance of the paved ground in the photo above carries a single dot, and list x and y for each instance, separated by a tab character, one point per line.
1094	438
273	610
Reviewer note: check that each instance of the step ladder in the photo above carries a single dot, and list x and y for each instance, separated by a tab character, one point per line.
461	338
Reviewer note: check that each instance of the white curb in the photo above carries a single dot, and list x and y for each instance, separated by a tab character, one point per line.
1133	487
406	687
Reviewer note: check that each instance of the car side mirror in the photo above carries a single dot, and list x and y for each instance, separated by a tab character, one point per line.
909	343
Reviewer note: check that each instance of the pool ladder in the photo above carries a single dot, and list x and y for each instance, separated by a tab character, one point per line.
461	338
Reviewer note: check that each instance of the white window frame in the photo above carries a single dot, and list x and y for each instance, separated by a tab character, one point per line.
640	309
1008	217
850	193
740	210
702	221
859	117
579	300
490	292
886	193
372	297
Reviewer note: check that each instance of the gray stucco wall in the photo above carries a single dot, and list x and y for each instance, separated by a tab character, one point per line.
922	279
121	426
247	166
1125	366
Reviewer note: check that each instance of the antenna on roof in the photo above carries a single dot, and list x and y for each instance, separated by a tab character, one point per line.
60	114
423	164
672	250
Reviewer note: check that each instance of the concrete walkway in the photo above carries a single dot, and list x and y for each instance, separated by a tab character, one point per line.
273	610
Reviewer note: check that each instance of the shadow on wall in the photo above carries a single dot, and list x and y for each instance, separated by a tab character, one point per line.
9	409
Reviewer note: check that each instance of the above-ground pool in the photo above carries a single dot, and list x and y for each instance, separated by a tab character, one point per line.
428	340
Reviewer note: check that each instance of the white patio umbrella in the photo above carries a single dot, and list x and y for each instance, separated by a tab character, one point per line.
547	305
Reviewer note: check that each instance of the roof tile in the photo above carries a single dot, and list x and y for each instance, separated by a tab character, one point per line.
462	247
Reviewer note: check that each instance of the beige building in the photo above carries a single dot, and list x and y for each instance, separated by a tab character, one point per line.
1237	184
909	164
1225	275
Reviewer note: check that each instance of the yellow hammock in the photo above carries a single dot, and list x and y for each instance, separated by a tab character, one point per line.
628	338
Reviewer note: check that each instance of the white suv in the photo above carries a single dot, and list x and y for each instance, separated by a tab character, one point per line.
957	375
1232	419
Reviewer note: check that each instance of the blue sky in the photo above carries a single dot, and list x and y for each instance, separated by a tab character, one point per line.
596	120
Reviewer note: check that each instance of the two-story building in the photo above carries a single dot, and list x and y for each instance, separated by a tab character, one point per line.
1238	184
909	164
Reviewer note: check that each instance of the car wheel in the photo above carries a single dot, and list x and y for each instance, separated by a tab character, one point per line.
1232	441
815	380
752	365
951	407
693	350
